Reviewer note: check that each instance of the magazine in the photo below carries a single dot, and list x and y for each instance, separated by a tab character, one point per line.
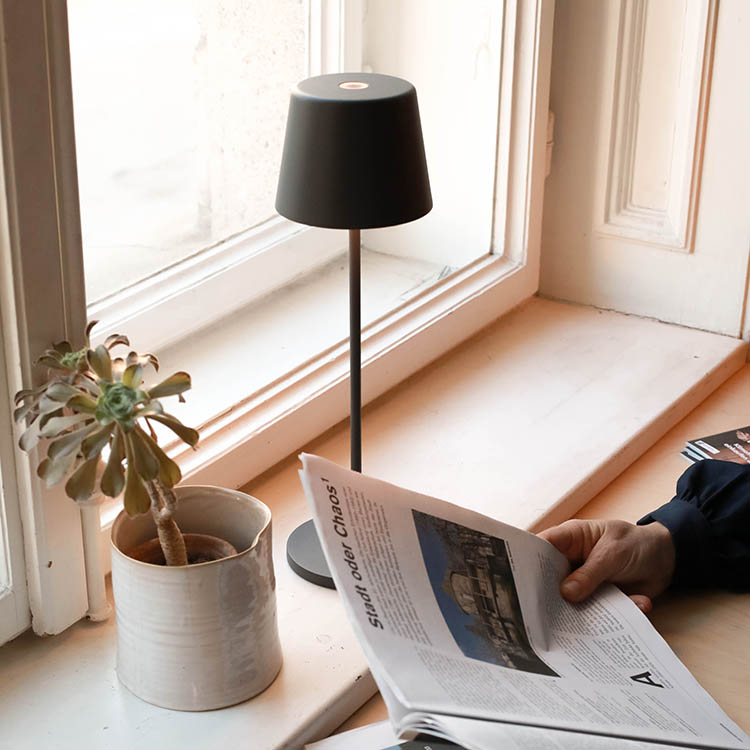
733	445
379	736
467	636
688	456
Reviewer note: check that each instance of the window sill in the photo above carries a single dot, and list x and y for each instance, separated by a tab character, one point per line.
546	406
274	375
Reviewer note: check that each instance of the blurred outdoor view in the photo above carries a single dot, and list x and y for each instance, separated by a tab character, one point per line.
180	107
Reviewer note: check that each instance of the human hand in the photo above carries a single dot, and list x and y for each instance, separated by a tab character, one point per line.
639	559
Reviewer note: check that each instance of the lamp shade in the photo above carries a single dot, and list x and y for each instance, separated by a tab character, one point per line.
353	153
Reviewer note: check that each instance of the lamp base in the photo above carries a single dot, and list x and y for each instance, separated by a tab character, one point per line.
305	556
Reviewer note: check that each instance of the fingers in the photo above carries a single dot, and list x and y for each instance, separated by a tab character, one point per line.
635	558
575	538
643	602
601	565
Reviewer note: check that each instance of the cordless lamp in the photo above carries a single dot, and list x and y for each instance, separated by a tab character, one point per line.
353	159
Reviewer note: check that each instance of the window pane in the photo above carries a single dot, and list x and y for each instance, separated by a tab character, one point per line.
179	110
452	56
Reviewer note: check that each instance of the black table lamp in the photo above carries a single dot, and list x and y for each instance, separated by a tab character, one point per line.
353	159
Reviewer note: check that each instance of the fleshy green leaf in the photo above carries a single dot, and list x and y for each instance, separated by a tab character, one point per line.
93	444
169	471
113	479
81	484
47	405
100	362
51	415
136	498
186	434
152	360
143	460
82	404
88	384
115	340
55	471
23	410
171	386
152	407
70	442
29	393
62	347
30	437
61	392
133	376
46	361
56	425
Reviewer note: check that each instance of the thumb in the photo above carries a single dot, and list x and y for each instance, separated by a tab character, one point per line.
583	581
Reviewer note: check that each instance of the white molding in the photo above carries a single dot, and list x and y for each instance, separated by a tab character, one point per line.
351	38
671	225
214	283
326	22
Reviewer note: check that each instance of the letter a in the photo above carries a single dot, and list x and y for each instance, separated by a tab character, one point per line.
645	679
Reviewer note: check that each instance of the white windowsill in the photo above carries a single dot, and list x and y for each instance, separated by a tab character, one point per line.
527	420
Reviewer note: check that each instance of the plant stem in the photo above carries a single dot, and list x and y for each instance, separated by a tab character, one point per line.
170	537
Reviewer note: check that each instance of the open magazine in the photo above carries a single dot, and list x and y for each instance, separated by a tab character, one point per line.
467	636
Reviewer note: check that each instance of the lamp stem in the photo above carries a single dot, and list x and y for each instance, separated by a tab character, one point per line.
355	352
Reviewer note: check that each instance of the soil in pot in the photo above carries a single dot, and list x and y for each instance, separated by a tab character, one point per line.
200	548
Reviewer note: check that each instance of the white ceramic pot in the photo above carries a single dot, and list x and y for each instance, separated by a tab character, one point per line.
203	636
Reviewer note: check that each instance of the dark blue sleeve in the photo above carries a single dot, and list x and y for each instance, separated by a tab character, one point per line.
709	519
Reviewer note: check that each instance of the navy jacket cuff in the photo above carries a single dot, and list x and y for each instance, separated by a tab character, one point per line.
691	534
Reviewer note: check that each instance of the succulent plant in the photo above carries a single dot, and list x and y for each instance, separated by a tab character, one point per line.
92	401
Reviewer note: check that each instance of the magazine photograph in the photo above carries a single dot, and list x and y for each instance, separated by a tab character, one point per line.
473	583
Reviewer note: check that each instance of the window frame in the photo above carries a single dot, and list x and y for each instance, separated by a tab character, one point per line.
40	260
272	423
14	598
45	263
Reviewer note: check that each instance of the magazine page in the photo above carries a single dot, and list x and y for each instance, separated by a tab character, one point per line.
733	445
477	734
379	736
461	615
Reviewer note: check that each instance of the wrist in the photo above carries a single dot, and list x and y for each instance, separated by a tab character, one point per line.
664	553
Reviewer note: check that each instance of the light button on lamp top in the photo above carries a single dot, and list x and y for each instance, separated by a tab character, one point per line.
353	85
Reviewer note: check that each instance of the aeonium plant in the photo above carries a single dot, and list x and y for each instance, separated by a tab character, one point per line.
93	401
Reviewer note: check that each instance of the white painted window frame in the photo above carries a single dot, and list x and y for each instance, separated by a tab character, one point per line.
44	262
160	309
14	599
42	295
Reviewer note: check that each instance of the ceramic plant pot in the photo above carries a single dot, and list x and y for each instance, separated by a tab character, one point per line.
203	636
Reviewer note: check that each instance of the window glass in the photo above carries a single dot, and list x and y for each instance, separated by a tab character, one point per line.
180	109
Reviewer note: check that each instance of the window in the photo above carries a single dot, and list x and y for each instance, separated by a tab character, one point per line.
180	111
474	258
